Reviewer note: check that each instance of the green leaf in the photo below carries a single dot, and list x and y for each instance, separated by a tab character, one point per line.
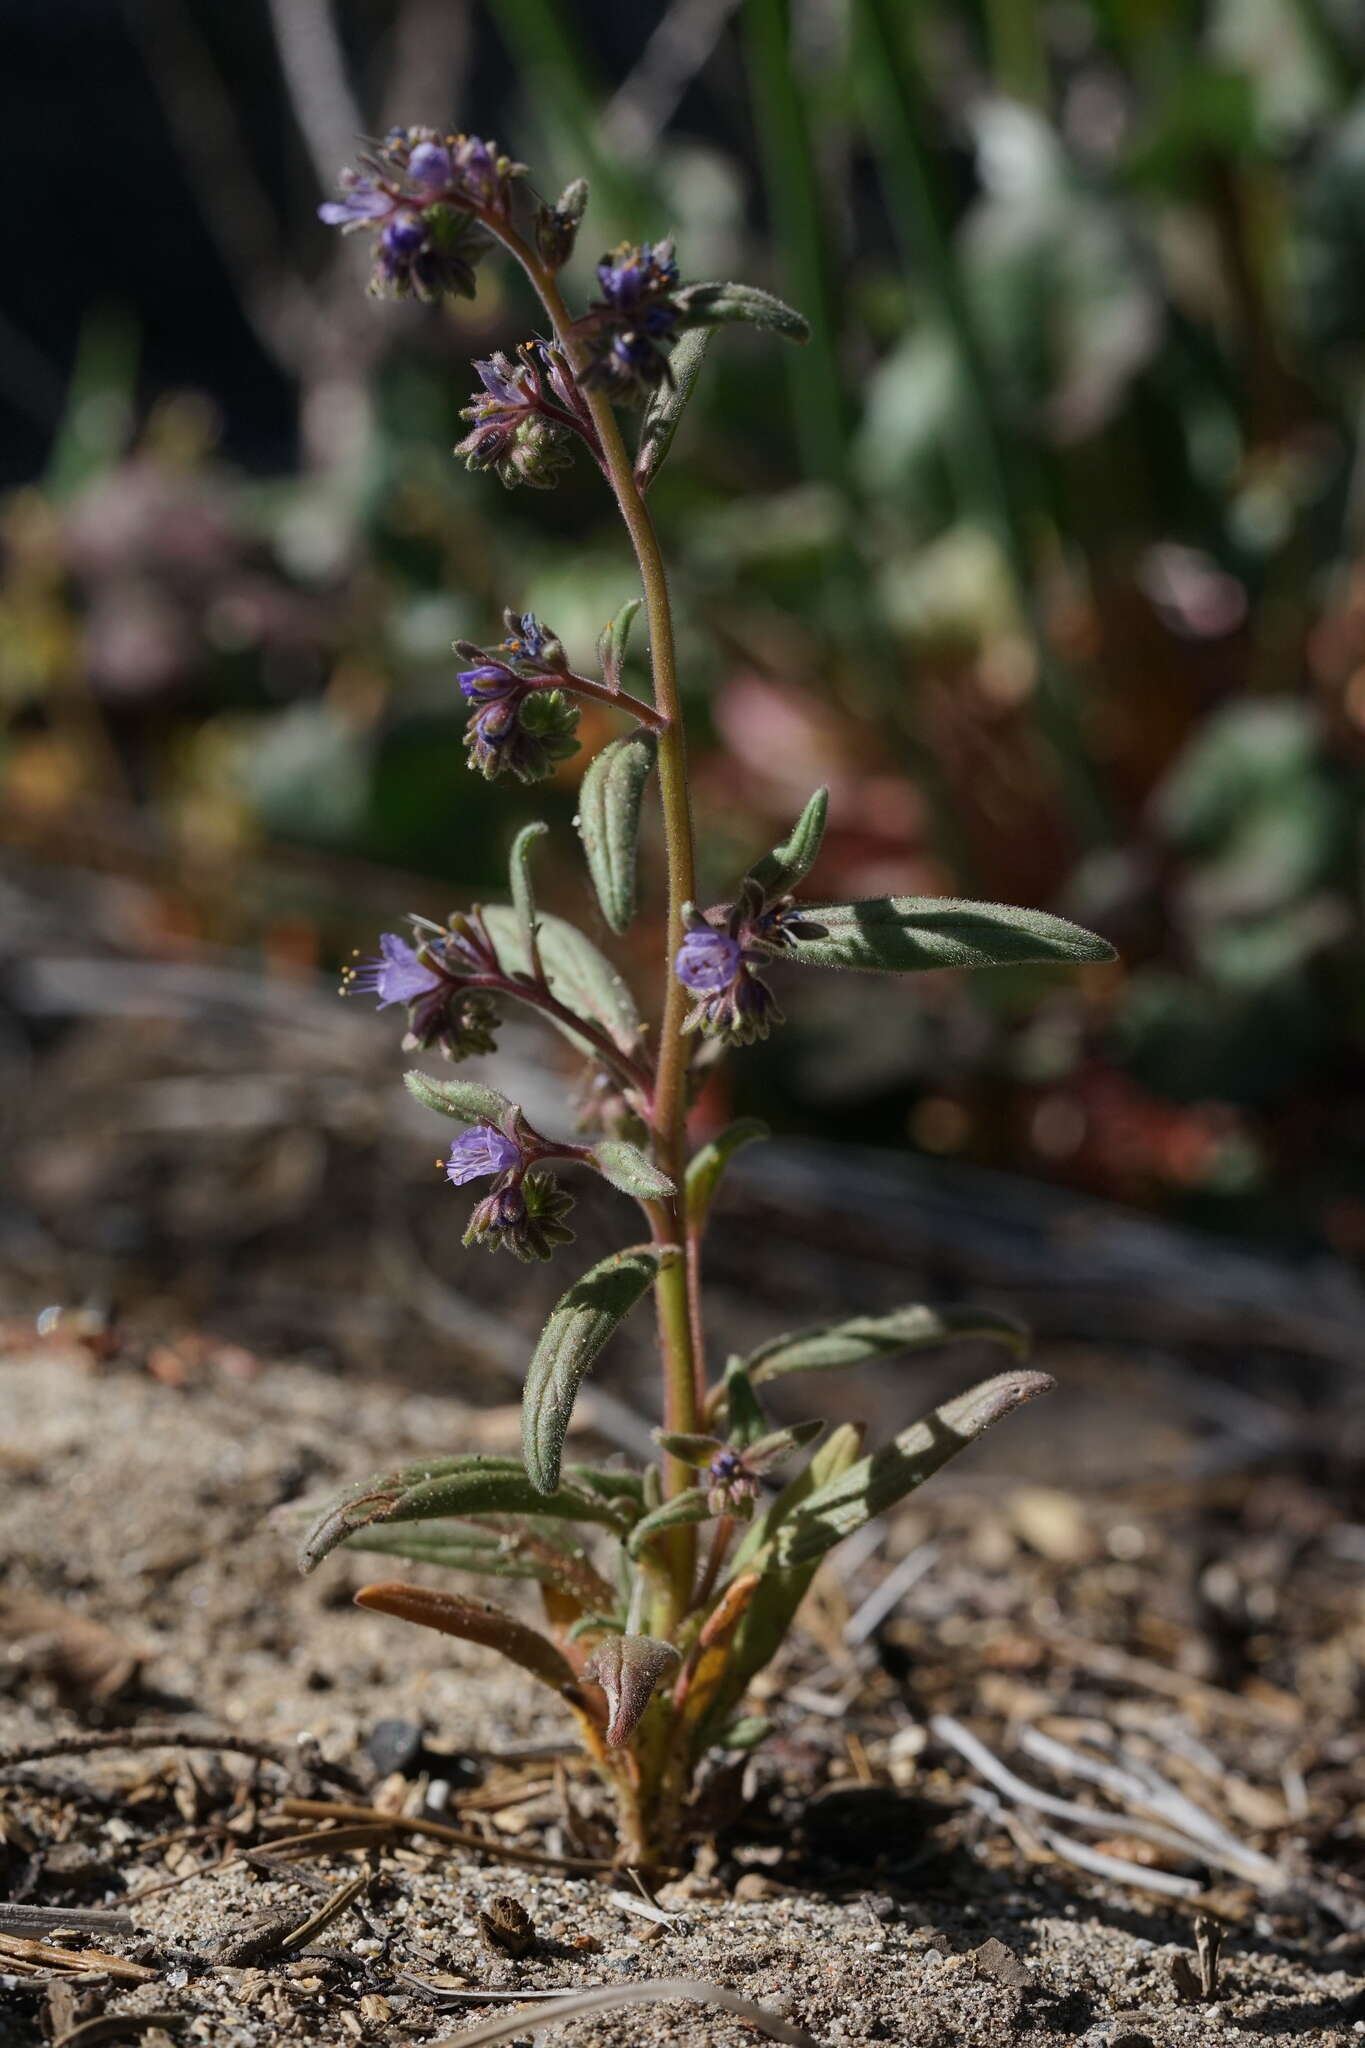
668	403
444	1487
877	1482
905	934
827	1345
523	894
772	1610
458	1546
470	1101
579	1325
709	1163
611	643
578	975
609	822
747	1421
688	1506
715	305
627	1168
780	871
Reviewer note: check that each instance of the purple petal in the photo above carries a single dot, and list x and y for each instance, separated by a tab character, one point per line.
397	976
430	164
486	684
479	1152
708	962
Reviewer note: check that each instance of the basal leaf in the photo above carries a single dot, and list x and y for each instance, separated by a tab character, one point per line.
611	643
627	1168
668	403
474	1621
825	1346
715	305
579	1325
906	934
609	822
877	1482
578	975
628	1668
444	1487
469	1101
787	865
705	1171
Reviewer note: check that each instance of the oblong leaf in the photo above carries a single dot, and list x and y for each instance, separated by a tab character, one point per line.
578	975
877	1482
609	822
627	1168
469	1101
668	402
787	865
611	642
907	934
579	1325
458	1546
710	1161
444	1487
715	305
687	1506
826	1346
474	1621
523	891
771	1610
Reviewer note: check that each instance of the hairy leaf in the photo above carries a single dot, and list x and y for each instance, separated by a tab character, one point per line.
628	1668
906	934
668	403
715	305
474	1621
611	644
747	1422
787	865
445	1487
627	1168
704	1681
578	975
523	894
877	1482
580	1323
688	1506
705	1171
609	822
826	1345
506	1550
772	1608
469	1101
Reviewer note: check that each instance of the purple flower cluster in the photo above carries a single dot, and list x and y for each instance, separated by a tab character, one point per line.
524	1211
521	722
433	983
426	194
522	419
718	963
628	327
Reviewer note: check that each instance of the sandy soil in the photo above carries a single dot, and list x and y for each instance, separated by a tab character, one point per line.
145	1579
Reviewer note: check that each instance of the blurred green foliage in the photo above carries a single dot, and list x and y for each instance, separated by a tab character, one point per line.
1046	555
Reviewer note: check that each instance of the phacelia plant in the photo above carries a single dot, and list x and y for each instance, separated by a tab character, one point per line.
654	1648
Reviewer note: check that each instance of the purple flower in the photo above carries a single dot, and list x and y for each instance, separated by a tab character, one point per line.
636	312
488	683
708	961
404	236
363	201
396	976
430	164
481	1151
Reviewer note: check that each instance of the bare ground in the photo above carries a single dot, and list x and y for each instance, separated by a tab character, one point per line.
860	1881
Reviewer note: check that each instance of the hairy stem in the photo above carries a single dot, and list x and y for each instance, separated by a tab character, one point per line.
670	1084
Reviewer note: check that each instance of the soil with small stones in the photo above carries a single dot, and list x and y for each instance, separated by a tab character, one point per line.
146	1580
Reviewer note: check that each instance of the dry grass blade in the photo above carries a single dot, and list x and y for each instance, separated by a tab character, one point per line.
457	1838
17	1947
614	1997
